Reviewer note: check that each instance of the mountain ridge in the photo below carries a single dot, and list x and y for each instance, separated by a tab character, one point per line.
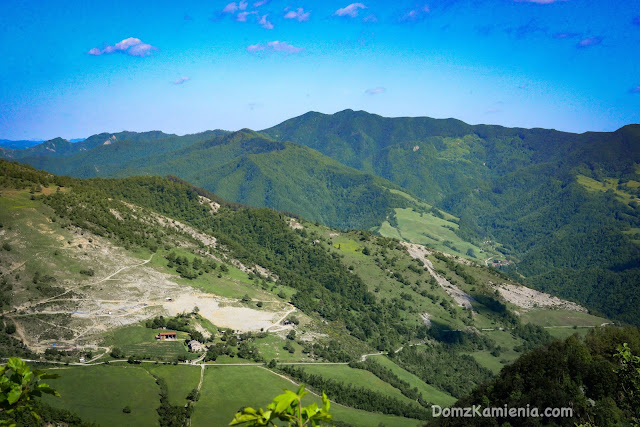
544	198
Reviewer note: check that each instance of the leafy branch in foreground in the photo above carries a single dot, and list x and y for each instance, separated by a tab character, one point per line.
629	373
18	386
286	407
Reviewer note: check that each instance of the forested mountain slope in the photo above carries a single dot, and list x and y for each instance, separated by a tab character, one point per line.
562	208
244	167
565	207
88	265
147	143
588	377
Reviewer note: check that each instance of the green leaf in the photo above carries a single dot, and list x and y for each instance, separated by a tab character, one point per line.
15	364
285	400
14	395
241	418
325	402
44	388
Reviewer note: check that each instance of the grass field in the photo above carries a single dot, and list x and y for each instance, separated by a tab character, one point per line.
608	184
99	393
549	317
271	347
34	238
226	389
356	377
180	380
380	281
231	284
507	342
428	229
429	393
138	340
562	333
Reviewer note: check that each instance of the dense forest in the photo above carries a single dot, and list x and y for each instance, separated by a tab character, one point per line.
587	375
563	206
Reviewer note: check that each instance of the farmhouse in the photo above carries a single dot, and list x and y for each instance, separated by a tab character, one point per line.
196	346
167	336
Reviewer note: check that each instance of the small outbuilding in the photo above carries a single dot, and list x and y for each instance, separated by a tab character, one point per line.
163	336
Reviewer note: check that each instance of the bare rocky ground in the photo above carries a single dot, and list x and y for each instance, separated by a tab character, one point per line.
124	290
293	223
521	296
530	298
460	297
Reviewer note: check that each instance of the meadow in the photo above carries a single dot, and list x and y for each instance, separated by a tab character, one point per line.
106	390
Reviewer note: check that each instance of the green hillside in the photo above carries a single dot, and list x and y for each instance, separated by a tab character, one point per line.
244	167
585	376
560	209
146	142
540	196
87	266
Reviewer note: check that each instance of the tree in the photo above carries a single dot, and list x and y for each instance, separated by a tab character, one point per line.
18	386
194	395
290	348
286	407
117	353
10	328
629	373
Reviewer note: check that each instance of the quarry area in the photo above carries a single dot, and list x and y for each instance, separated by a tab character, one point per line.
120	289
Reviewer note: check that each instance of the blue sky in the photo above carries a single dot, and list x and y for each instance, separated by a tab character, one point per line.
75	68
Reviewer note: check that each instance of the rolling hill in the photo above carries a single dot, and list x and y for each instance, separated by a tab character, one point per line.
93	268
562	210
564	207
244	167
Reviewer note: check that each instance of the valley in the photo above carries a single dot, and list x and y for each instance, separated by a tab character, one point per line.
91	278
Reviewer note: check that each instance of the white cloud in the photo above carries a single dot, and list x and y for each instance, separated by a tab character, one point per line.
370	18
351	10
230	8
242	16
264	22
298	14
375	90
131	46
274	46
181	80
415	14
